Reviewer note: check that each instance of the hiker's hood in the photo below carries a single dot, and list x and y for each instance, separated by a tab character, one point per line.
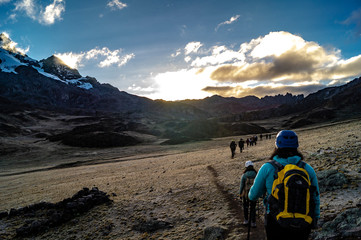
290	160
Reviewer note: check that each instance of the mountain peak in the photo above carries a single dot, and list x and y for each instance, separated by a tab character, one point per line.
7	44
56	66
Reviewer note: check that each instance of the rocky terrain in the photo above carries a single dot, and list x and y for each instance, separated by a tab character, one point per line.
186	191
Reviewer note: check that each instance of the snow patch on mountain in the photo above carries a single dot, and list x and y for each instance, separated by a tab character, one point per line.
49	75
9	61
80	82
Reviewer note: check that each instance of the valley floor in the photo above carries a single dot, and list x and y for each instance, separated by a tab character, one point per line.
190	186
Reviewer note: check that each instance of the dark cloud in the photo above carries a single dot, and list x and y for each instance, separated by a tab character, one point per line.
293	62
222	91
296	64
254	71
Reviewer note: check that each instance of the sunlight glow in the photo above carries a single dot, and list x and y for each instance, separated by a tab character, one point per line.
184	84
70	59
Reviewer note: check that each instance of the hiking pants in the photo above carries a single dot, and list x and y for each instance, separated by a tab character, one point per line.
276	232
233	151
252	205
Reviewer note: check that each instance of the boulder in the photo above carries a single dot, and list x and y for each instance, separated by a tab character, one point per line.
329	180
345	226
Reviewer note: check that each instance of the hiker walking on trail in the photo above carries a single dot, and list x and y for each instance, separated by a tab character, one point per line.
292	195
246	182
233	146
251	141
241	145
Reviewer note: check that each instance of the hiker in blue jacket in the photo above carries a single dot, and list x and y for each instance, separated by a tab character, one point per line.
246	182
285	153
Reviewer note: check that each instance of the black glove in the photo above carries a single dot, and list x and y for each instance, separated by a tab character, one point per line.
314	224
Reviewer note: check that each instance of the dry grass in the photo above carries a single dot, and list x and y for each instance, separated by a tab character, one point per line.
171	183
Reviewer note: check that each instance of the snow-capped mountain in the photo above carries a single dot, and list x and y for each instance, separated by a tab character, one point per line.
50	83
53	85
52	67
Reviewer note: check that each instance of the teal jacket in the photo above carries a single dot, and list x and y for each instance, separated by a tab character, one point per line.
248	174
264	180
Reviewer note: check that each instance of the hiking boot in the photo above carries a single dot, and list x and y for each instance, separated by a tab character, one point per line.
245	222
253	225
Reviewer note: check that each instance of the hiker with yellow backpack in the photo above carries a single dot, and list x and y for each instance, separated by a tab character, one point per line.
292	195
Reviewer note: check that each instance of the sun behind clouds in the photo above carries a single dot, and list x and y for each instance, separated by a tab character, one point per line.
278	62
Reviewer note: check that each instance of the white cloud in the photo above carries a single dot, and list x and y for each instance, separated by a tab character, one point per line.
44	15
282	55
116	5
220	55
192	47
26	6
4	1
275	63
230	21
52	12
125	59
177	53
105	57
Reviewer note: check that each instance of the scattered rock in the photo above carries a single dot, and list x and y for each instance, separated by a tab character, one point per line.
358	204
214	233
42	216
151	225
345	225
330	180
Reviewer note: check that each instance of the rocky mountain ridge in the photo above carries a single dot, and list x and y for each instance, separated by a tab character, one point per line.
51	85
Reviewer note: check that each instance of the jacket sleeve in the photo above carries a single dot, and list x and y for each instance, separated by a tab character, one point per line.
259	186
314	182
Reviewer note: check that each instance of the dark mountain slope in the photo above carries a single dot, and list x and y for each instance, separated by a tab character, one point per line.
218	106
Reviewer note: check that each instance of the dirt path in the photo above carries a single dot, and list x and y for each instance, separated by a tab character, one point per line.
236	209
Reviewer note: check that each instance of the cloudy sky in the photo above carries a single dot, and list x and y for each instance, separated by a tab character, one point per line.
179	49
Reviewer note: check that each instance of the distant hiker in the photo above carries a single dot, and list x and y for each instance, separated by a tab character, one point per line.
247	142
255	138
233	146
260	137
251	141
246	182
292	219
241	145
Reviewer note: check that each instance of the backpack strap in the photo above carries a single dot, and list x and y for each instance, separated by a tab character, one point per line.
301	164
278	167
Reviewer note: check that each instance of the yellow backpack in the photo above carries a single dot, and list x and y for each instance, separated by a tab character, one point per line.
291	202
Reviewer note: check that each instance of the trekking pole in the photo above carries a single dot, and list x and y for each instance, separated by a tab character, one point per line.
249	222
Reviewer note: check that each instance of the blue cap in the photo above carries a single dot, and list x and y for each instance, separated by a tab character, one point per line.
286	139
